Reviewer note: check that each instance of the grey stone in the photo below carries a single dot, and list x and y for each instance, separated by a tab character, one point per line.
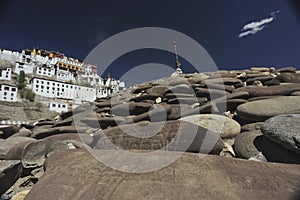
284	130
6	145
34	154
259	111
223	126
244	146
171	135
189	177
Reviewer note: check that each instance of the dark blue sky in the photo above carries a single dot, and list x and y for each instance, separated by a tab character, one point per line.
76	27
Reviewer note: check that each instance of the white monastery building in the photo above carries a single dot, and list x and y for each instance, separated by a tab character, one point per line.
8	92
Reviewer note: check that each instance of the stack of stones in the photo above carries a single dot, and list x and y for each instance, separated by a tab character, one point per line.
249	118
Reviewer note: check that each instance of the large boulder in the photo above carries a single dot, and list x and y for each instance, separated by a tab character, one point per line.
34	154
78	175
170	135
259	111
40	133
223	126
6	145
256	91
284	130
247	146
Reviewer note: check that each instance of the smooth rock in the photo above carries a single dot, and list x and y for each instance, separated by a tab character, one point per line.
6	145
34	154
189	177
259	111
131	109
181	89
42	133
170	135
245	147
284	130
102	122
210	93
84	138
289	77
256	91
223	126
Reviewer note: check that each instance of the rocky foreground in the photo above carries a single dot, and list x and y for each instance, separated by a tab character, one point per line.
248	121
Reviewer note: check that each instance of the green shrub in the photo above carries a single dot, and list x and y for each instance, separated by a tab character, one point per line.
27	94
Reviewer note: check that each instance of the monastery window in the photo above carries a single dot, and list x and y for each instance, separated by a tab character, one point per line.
48	88
63	106
4	97
42	87
6	88
13	89
11	99
53	105
5	93
58	105
53	88
37	81
42	82
67	86
48	83
53	84
42	90
11	94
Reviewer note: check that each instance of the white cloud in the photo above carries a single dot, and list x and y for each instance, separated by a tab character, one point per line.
254	27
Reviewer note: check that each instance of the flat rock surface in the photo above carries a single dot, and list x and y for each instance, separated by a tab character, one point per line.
284	130
77	175
258	111
172	135
223	126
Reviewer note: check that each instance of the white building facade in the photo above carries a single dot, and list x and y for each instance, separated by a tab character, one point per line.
56	89
5	74
8	92
58	106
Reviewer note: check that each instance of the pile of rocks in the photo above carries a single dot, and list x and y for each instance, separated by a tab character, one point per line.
232	115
